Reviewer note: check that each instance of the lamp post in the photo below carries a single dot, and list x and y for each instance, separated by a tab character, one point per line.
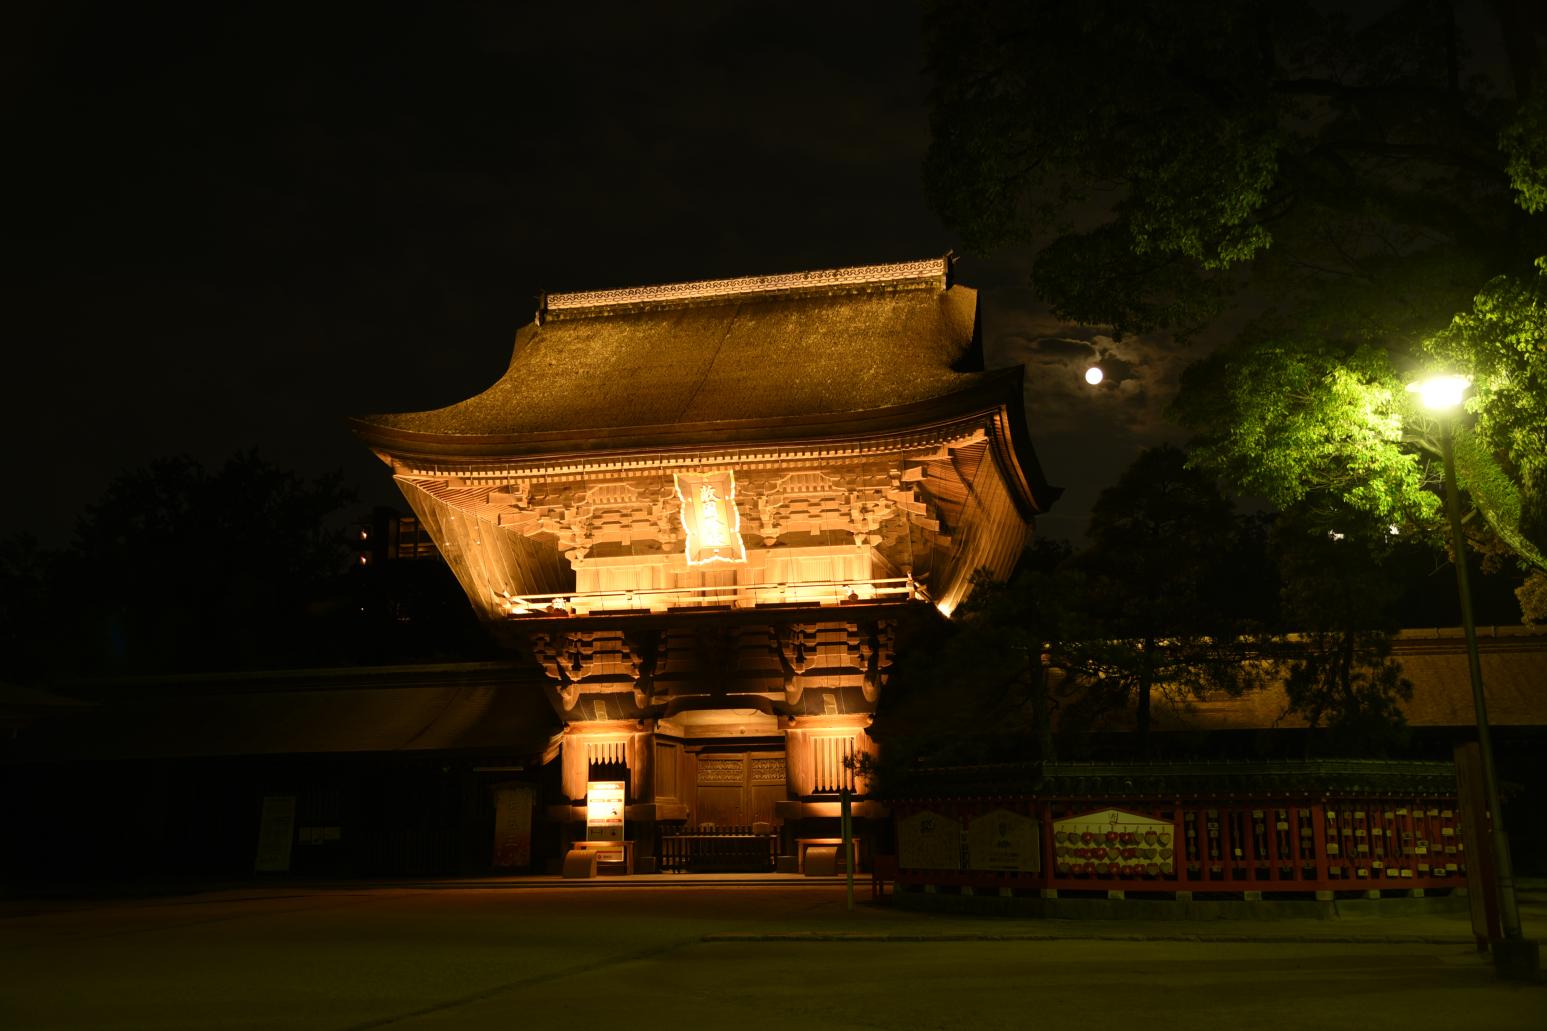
1442	395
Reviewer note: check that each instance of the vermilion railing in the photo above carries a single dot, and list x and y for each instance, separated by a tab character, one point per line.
1270	845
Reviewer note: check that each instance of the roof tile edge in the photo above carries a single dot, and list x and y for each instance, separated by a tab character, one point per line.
926	271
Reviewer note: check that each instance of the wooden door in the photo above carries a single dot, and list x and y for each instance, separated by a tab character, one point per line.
738	789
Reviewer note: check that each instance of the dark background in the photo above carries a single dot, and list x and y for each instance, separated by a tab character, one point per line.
231	226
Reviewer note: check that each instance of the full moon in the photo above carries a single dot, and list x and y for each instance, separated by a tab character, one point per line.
1093	375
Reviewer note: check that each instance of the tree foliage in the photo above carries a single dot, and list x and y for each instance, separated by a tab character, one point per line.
980	688
1286	420
1171	596
1502	342
1190	138
211	568
1339	596
1165	568
1350	182
32	595
183	567
178	567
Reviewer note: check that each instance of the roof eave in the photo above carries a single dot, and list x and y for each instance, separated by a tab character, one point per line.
404	443
997	395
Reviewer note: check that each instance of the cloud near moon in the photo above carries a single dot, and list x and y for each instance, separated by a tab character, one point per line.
1141	372
1084	435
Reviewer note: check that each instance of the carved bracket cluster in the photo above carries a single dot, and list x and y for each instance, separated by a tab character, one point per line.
807	649
879	652
595	660
581	516
814	502
873	502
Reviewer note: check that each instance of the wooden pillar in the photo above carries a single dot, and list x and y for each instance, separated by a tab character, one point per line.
575	768
641	757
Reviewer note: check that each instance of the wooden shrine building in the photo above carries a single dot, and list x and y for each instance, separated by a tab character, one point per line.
701	507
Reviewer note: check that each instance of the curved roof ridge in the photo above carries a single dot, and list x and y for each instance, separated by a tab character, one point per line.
925	272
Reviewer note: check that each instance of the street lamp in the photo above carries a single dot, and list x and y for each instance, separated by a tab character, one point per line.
1442	395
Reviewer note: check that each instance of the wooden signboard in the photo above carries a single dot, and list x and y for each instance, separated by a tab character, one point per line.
710	520
929	841
1114	841
1002	840
513	824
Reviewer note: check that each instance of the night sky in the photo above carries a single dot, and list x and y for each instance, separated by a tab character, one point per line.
233	226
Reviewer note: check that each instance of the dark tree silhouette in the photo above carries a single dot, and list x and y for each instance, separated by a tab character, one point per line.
1341	589
1364	188
1164	569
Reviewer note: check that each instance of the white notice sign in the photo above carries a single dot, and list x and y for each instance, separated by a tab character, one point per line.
604	810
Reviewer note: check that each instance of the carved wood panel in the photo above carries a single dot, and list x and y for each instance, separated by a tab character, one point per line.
768	770
720	771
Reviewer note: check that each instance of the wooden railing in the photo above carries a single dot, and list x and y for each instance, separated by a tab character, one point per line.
717	850
823	592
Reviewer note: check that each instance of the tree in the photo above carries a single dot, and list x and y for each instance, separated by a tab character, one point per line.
980	687
1305	416
1502	343
32	596
179	567
1352	184
1339	597
1164	567
1025	628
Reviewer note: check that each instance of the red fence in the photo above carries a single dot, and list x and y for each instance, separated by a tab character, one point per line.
1144	845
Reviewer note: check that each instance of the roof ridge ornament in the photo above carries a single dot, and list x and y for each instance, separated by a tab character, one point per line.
926	272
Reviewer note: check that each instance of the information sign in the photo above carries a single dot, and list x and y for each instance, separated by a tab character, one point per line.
604	810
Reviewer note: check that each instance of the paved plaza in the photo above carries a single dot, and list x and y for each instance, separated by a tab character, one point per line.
715	954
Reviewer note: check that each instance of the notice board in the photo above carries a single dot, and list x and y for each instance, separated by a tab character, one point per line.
604	810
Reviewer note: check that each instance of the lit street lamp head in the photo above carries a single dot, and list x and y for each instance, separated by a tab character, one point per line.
1440	393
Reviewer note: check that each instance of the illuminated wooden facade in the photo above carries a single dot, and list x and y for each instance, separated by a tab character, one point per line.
701	507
